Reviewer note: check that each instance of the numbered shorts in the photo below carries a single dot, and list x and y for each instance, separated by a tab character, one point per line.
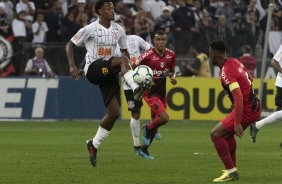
133	105
100	73
156	104
247	119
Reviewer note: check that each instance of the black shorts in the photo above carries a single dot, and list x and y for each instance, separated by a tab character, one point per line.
133	105
100	73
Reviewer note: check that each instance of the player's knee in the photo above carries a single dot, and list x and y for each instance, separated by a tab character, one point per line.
213	134
164	119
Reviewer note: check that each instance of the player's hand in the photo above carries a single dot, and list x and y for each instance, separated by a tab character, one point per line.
239	131
74	72
173	80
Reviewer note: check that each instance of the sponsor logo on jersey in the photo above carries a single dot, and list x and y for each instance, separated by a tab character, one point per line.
223	77
105	71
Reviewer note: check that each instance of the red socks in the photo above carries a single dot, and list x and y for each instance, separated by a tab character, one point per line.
223	151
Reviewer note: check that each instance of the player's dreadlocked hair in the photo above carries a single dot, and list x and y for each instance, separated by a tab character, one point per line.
160	32
99	4
218	45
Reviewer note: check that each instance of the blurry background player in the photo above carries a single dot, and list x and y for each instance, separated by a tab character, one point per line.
237	82
248	60
162	61
134	44
277	64
100	39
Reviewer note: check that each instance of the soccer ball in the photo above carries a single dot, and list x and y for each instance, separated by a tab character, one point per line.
142	73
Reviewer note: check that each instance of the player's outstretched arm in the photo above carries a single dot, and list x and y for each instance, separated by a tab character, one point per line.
73	68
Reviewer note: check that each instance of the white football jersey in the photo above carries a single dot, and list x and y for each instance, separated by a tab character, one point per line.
135	45
278	57
99	41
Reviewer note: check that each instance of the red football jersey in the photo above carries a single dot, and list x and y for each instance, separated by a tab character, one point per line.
234	71
161	68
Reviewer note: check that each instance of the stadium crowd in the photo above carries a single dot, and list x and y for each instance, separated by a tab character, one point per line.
237	22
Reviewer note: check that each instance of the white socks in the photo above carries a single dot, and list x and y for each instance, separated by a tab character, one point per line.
128	77
135	129
100	136
269	119
232	170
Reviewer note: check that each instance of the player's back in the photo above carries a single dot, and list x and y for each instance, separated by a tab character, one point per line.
234	71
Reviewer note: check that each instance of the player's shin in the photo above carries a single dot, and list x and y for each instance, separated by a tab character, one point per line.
135	129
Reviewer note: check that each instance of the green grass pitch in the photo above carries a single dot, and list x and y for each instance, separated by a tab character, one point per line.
55	153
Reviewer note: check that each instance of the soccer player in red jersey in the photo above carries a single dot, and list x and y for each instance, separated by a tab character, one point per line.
237	82
162	61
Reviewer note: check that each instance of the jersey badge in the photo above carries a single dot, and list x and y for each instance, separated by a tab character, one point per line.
162	64
105	71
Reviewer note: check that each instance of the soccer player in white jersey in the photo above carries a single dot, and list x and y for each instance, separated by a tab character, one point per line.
277	64
135	44
101	68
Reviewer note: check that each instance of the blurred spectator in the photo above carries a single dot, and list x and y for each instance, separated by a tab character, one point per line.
79	10
212	6
228	12
206	32
136	7
184	21
253	30
237	6
247	60
20	25
39	30
42	5
129	22
92	14
224	33
201	66
252	7
240	35
38	65
274	24
120	9
4	26
84	19
198	12
154	8
277	13
166	23
9	10
69	27
28	7
53	21
143	26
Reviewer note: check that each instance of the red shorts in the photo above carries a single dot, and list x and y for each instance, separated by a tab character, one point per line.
156	105
247	119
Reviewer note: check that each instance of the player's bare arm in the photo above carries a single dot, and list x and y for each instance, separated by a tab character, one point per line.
172	76
124	52
276	65
73	68
238	108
